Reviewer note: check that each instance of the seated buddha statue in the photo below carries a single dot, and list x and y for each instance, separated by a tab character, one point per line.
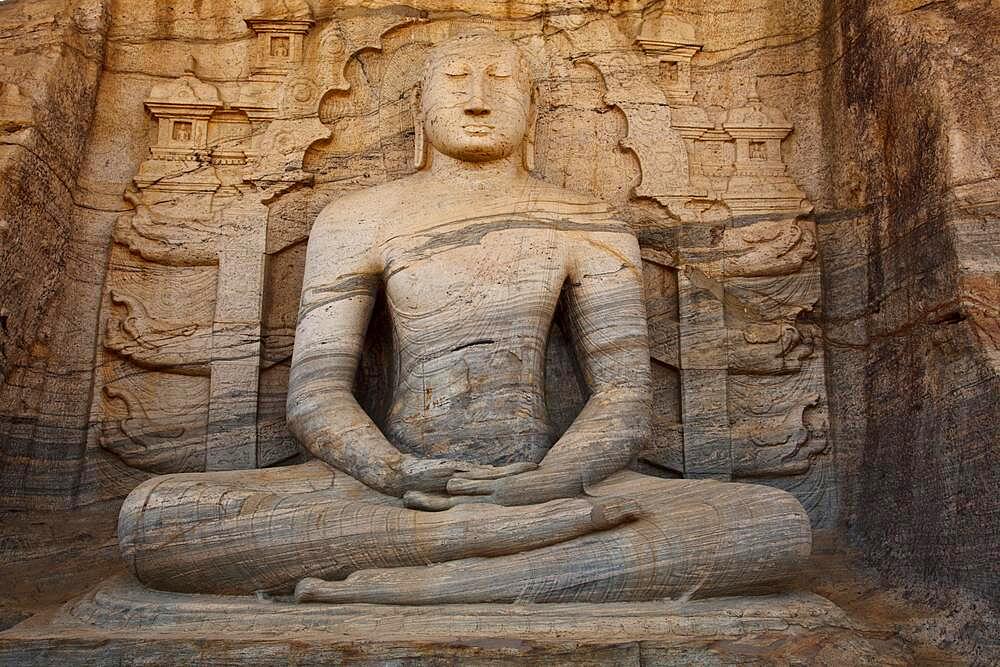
466	494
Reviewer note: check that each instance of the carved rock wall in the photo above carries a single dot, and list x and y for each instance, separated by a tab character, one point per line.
222	128
227	126
51	55
911	261
749	144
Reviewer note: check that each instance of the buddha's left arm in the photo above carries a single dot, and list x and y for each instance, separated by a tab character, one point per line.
607	319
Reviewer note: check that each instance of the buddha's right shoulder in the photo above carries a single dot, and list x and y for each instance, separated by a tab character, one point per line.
363	209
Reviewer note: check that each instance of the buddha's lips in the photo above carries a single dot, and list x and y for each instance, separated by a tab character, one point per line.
477	128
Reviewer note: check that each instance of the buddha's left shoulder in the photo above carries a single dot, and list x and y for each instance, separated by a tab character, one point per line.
583	215
550	193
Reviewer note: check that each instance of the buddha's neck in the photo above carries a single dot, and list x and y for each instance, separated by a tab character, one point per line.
476	175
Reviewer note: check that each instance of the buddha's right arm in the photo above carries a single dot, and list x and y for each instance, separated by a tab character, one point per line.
341	281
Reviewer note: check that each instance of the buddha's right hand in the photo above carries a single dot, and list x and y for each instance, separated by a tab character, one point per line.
432	475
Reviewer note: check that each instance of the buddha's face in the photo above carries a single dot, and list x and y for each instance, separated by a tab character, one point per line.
476	99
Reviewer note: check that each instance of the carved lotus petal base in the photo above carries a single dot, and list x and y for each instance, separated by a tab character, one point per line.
121	622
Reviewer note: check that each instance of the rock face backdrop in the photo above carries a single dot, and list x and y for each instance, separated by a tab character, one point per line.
813	183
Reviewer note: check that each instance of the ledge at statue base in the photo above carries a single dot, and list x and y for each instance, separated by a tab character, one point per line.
121	622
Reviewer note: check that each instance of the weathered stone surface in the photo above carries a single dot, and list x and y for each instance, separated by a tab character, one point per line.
911	274
154	211
122	622
51	55
189	363
464	492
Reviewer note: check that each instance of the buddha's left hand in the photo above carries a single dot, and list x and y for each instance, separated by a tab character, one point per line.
527	488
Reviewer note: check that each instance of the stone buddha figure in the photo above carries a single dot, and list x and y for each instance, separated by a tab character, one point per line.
466	494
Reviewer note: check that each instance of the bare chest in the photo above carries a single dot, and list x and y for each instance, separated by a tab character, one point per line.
500	272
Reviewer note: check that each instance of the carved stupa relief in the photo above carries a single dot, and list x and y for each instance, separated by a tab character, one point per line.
670	44
323	106
218	153
745	255
280	29
180	158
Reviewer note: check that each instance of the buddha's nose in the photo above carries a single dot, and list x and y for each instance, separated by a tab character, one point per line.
476	104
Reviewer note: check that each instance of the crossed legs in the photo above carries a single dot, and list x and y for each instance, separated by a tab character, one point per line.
264	530
692	539
632	538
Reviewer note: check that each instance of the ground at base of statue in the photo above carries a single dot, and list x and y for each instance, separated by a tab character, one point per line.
121	622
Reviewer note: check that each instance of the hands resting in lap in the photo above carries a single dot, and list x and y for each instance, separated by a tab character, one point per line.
439	484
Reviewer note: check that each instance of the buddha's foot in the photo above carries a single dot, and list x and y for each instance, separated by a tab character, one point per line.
419	585
612	511
411	585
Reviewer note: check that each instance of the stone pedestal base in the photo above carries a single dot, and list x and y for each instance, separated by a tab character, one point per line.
122	623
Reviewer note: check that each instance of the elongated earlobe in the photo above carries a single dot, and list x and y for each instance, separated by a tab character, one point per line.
419	140
419	144
529	139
